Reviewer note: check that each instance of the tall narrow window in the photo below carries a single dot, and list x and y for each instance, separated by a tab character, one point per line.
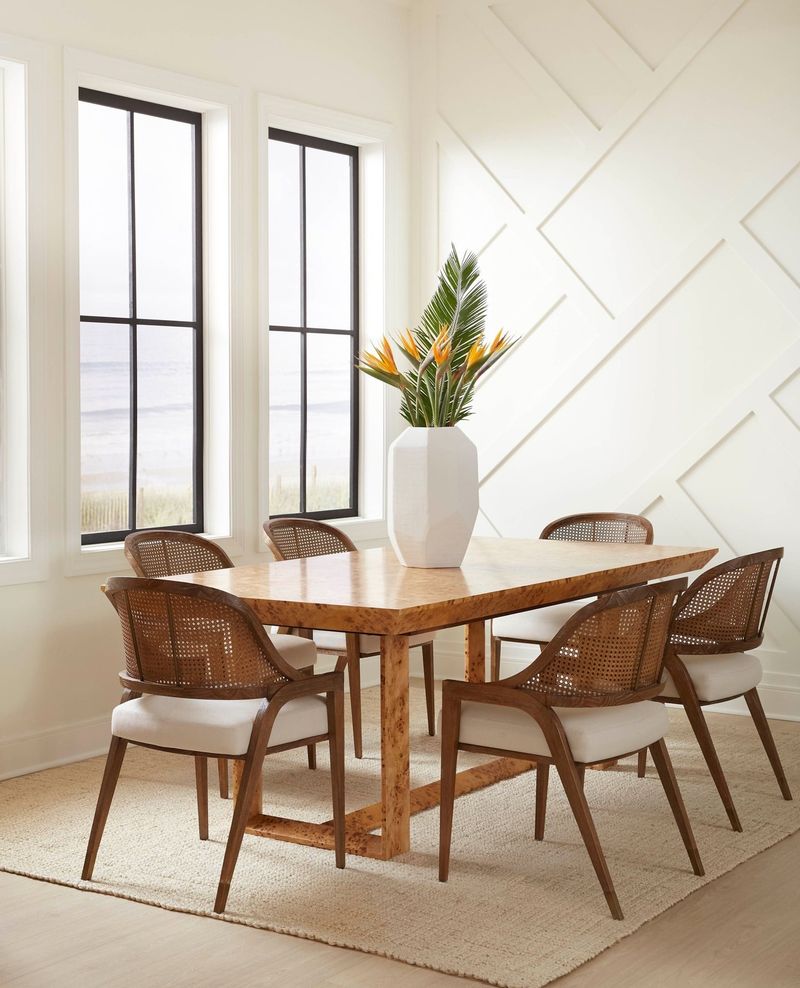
313	332
141	317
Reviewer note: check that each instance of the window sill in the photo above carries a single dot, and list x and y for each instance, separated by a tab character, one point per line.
109	557
21	569
363	531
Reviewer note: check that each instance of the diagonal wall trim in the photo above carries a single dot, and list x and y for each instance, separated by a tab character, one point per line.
592	359
491	240
625	55
599	306
617	128
546	315
774	395
451	132
602	17
782	285
666	283
711	433
535	76
520	223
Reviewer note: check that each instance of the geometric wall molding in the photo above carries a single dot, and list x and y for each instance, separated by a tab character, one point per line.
629	172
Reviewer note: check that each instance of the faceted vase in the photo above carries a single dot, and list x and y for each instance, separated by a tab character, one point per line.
433	496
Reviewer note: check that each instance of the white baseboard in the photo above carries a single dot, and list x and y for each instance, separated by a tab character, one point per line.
56	746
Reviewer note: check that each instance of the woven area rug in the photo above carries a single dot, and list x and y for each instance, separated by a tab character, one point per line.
515	912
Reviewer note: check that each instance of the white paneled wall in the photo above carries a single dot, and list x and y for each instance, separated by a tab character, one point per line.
629	172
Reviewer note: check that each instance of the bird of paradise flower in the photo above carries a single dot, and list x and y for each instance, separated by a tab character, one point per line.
448	351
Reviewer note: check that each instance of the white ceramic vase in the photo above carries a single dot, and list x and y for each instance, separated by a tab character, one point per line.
433	496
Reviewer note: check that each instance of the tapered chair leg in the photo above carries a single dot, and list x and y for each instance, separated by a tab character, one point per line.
354	682
251	775
201	781
542	781
570	779
666	773
450	729
430	696
700	728
222	769
641	763
762	726
116	753
336	743
312	748
495	658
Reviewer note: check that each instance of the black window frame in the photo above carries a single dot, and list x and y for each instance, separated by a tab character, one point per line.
133	321
303	330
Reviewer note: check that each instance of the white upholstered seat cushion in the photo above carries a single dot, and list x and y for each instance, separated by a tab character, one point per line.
536	626
219	727
334	641
717	677
300	653
594	733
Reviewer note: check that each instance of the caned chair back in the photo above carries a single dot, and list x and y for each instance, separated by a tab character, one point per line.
725	608
160	553
600	526
610	652
301	538
184	640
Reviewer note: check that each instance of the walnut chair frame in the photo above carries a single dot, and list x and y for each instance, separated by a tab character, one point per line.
593	526
194	642
723	611
609	653
301	538
162	552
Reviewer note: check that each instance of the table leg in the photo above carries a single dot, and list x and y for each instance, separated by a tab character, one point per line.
475	652
395	777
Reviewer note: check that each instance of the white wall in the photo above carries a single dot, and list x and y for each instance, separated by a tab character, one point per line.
628	172
59	639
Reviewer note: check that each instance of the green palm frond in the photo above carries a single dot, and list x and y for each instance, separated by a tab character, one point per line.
438	389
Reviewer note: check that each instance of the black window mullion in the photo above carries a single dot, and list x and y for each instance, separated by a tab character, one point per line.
134	343
303	338
197	229
354	326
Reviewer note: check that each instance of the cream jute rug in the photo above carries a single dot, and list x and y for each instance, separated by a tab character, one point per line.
515	912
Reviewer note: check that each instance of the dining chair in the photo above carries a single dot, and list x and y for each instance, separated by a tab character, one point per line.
538	627
162	552
202	678
586	698
717	622
301	538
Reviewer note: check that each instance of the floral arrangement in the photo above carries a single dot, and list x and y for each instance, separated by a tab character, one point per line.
448	352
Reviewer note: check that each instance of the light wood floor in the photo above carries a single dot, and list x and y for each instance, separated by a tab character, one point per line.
740	931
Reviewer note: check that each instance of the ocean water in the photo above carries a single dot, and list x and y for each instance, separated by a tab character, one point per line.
165	410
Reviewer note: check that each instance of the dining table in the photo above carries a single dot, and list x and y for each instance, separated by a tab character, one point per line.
371	592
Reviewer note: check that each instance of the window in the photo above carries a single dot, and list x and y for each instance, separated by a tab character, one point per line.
20	292
141	303
313	332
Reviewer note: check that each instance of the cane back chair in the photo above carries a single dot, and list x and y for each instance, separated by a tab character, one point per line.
539	626
587	697
301	538
161	552
203	678
717	622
